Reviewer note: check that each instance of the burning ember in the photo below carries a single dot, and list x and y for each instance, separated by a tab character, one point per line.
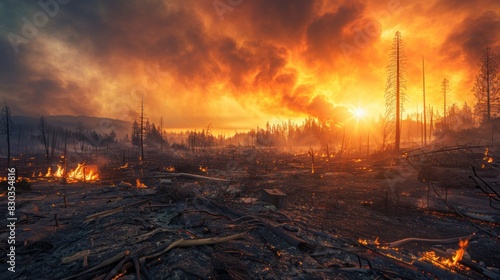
80	173
123	166
460	252
203	169
487	157
139	184
170	168
447	262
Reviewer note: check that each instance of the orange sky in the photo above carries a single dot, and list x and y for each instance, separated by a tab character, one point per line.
237	66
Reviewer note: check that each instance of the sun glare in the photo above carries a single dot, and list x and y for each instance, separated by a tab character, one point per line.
359	113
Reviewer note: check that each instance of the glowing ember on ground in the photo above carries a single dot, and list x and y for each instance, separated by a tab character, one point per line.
170	168
363	241
203	169
460	252
447	262
139	184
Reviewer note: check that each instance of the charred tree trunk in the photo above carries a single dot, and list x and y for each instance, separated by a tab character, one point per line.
43	137
6	128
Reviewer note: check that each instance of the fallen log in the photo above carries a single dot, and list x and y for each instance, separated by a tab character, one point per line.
436	271
290	239
75	257
116	269
113	211
145	271
146	236
466	262
137	268
194	176
105	263
193	242
426	240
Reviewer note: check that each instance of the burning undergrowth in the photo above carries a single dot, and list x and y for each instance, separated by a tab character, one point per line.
191	218
81	173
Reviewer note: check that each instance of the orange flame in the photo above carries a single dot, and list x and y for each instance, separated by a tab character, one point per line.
460	252
80	173
363	241
139	184
59	171
446	263
203	169
170	168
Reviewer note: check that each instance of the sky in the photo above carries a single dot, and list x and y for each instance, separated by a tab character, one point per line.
235	64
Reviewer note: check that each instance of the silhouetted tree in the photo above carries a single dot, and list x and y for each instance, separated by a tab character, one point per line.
486	87
42	134
135	137
6	128
395	89
445	86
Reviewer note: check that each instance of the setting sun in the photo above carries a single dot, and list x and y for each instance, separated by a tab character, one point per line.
359	113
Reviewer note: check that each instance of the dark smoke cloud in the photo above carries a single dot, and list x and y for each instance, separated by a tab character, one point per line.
326	32
474	33
259	52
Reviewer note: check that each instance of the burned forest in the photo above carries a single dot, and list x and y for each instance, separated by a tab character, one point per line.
262	139
260	211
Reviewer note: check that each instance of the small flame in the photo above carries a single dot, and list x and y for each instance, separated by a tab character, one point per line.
123	166
59	172
203	169
363	241
49	172
170	168
460	252
139	184
445	262
487	157
82	172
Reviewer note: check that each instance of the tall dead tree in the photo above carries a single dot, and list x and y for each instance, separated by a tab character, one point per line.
43	136
142	129
486	87
425	107
161	134
6	128
395	89
445	86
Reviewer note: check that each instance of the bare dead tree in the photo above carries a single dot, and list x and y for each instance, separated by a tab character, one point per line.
6	128
395	89
486	87
425	107
161	134
43	136
445	86
53	143
142	129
